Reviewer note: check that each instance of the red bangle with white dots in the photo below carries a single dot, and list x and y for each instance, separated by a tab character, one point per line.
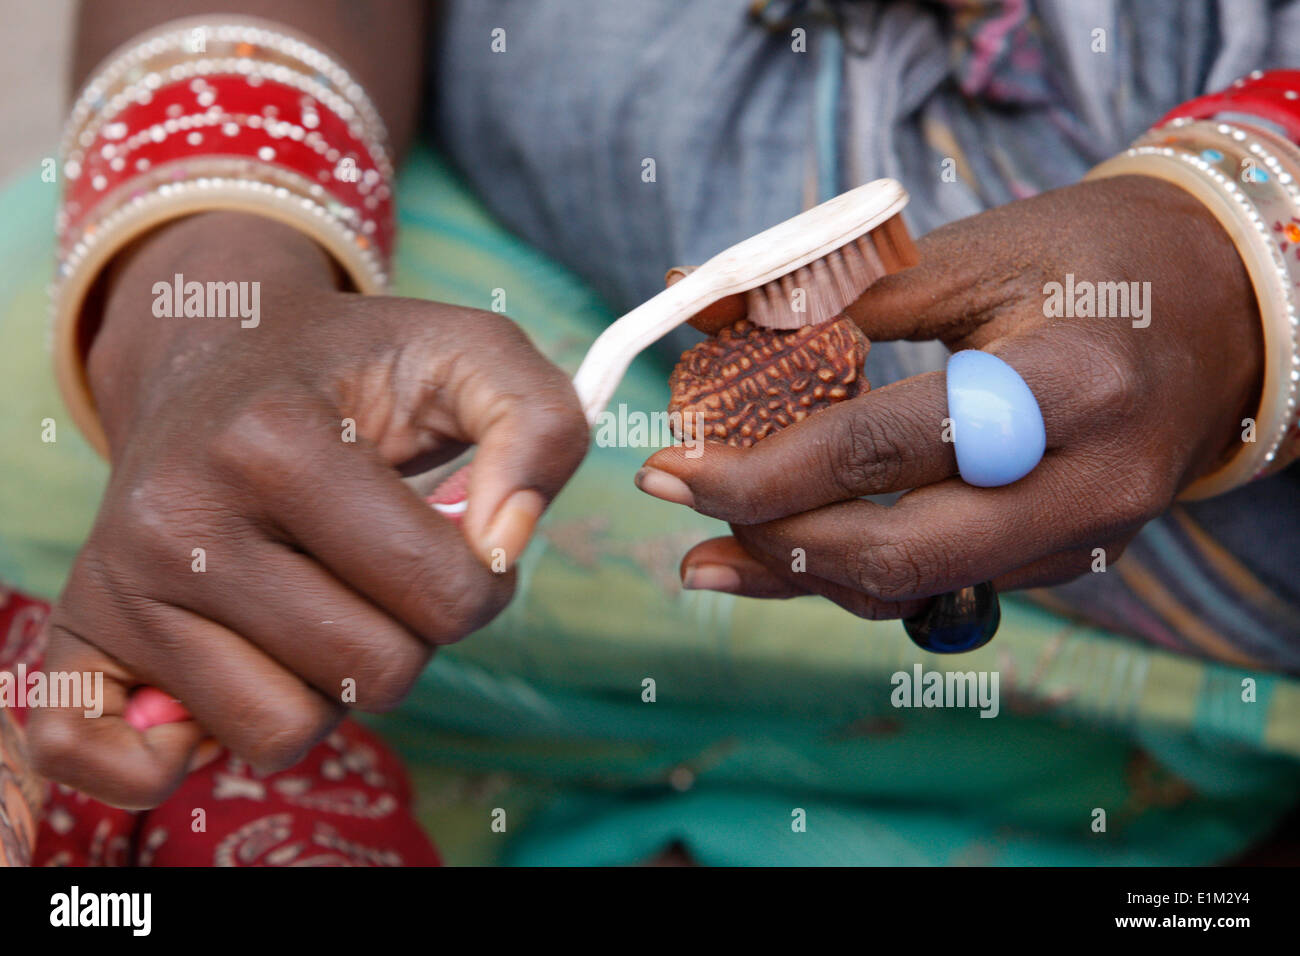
199	115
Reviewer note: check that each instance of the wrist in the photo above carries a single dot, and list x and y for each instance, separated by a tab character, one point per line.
1222	323
153	302
1246	178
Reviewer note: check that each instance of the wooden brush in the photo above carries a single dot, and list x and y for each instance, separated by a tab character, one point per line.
838	278
804	271
830	253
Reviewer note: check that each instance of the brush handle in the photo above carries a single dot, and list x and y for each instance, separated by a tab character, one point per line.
749	264
614	349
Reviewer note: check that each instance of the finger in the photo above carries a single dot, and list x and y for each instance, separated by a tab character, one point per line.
949	292
792	568
952	535
890	439
723	564
105	756
347	508
887	440
233	689
524	416
531	436
310	622
1062	568
488	386
717	316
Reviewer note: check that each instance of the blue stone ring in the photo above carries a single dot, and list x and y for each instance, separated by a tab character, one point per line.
997	426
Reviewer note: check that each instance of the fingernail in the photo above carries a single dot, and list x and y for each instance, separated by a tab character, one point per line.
660	484
508	534
206	752
711	577
677	274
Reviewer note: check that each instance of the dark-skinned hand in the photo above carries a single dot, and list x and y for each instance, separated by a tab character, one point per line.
1132	415
322	566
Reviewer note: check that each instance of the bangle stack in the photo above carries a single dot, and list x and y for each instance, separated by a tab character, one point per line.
197	116
1247	178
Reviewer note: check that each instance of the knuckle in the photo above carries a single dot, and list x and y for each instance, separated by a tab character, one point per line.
569	424
161	518
1134	504
462	612
1135	493
90	589
254	443
491	331
556	419
739	503
52	741
285	734
868	460
453	600
154	514
892	571
1107	384
120	607
508	333
386	673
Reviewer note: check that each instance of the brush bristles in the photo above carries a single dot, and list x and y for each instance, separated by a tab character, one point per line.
823	289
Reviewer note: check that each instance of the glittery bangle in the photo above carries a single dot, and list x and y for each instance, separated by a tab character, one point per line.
169	53
1267	168
1234	205
263	124
147	212
254	122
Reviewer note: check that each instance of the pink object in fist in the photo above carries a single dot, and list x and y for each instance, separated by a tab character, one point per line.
149	707
450	498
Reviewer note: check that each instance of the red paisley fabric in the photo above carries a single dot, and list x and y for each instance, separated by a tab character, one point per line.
348	803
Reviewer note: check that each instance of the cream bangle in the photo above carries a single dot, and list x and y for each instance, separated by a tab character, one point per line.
167	203
1227	202
1267	168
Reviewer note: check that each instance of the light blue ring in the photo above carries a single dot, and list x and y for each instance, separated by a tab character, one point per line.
997	426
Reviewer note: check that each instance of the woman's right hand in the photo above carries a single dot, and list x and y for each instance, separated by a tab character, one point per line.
248	557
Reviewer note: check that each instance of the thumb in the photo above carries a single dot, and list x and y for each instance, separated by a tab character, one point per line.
531	435
92	746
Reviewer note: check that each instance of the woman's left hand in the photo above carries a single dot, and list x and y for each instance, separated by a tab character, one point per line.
1135	408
